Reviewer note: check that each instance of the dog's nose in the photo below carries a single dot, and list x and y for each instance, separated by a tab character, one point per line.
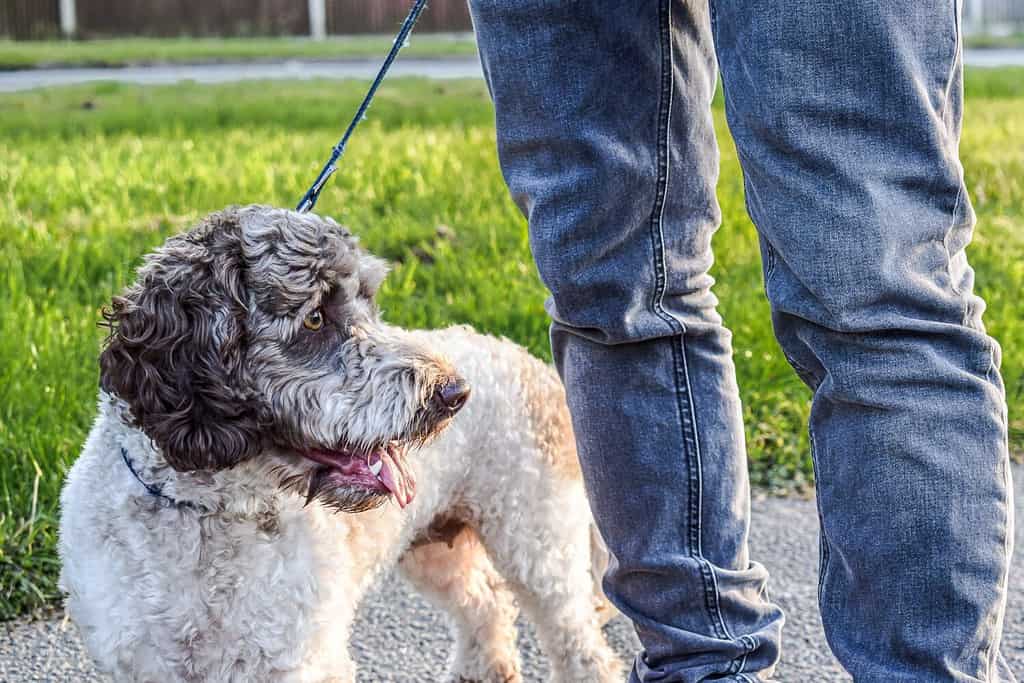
451	395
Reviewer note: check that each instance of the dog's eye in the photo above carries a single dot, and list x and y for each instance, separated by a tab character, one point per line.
314	320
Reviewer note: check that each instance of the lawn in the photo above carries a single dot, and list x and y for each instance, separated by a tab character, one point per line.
1013	40
94	176
131	51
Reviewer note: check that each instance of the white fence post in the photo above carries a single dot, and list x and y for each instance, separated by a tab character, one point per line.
973	15
317	19
68	20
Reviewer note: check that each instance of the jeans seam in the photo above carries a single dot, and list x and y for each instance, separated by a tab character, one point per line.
711	600
770	257
953	221
993	369
748	646
823	553
713	18
947	96
945	244
990	652
661	189
957	51
1008	523
682	381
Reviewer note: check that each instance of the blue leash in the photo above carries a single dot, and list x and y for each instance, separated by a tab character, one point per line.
313	193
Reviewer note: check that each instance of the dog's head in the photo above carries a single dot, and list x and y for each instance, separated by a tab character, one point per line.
256	335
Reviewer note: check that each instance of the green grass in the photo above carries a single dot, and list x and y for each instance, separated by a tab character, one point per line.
131	51
1011	40
999	84
92	177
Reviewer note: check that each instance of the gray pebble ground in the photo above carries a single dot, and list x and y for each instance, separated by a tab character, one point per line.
400	638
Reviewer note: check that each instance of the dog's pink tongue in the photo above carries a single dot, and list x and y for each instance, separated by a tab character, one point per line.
397	487
389	481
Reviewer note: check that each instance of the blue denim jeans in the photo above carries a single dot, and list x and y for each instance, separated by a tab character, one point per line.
847	120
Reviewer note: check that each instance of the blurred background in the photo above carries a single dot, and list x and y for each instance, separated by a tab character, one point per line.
989	22
994	22
41	19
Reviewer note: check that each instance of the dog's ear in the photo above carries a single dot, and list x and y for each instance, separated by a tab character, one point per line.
176	349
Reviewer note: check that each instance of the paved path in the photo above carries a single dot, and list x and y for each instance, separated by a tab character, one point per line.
398	629
13	81
995	57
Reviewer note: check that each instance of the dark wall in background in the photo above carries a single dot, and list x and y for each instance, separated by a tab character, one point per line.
27	19
385	16
191	17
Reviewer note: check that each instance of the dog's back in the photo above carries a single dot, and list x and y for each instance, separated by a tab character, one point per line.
522	421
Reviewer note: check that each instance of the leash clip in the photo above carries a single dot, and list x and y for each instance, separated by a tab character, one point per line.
313	193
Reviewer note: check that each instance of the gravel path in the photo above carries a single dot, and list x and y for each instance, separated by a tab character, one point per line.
458	67
403	630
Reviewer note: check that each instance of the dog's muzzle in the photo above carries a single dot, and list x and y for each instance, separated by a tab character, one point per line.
384	470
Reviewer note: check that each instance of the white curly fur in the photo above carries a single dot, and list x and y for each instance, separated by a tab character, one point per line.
265	589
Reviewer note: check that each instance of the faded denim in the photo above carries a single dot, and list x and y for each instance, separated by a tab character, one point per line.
847	119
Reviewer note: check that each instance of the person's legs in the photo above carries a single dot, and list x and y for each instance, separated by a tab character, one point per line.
606	142
847	119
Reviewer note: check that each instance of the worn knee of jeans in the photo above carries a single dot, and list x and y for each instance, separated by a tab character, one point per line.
853	319
626	297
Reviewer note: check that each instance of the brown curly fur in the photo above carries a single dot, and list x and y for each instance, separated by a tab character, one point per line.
175	349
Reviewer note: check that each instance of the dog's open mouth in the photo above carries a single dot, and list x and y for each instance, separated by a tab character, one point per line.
383	470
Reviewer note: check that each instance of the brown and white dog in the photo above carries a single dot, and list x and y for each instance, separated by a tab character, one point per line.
250	394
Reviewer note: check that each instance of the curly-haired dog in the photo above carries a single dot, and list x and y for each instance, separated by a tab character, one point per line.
250	393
